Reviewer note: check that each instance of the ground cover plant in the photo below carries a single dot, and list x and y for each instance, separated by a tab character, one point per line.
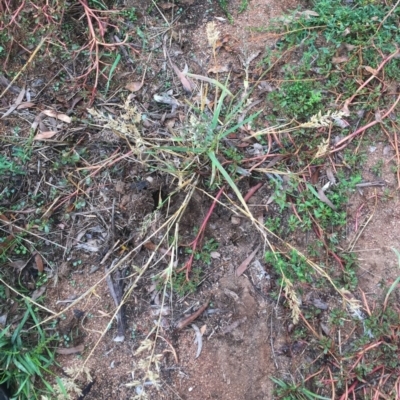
101	171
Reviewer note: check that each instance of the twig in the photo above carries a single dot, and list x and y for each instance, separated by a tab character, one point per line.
183	322
25	66
194	244
116	291
251	192
342	142
349	100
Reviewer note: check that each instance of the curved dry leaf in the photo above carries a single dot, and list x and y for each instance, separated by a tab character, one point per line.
325	200
372	71
38	292
346	32
309	13
182	77
166	6
45	135
16	104
56	115
198	340
331	176
341	123
218	69
339	60
243	266
71	350
39	262
27	104
134	86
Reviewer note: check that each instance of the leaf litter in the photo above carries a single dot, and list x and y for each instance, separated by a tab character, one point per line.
225	44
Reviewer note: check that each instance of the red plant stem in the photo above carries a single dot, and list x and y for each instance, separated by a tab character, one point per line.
182	323
381	65
200	233
319	232
351	389
363	128
251	192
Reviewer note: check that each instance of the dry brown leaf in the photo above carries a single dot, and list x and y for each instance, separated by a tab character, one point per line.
38	292
45	135
342	123
330	175
166	6
75	101
219	68
372	71
350	47
203	330
346	32
39	262
19	265
71	350
134	86
309	13
16	104
36	122
243	266
325	200
345	108
339	60
27	104
56	115
182	77
251	57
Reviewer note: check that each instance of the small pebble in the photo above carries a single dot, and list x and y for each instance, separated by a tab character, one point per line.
235	220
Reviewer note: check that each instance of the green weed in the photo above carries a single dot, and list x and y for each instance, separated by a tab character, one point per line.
224	6
26	356
244	5
337	44
291	265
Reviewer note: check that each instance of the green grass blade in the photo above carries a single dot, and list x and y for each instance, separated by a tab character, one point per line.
61	386
210	80
112	69
20	366
182	149
28	362
394	284
240	124
19	327
228	179
313	396
217	111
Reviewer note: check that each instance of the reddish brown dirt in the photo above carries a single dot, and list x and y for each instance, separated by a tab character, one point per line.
246	339
375	218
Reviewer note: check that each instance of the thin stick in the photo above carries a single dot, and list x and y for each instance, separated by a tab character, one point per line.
382	64
24	67
363	128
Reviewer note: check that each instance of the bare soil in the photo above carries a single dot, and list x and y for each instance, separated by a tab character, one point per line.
374	219
246	333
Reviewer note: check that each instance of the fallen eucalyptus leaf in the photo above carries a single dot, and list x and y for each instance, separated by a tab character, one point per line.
243	266
134	86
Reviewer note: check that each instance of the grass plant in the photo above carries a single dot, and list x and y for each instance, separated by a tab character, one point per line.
333	68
